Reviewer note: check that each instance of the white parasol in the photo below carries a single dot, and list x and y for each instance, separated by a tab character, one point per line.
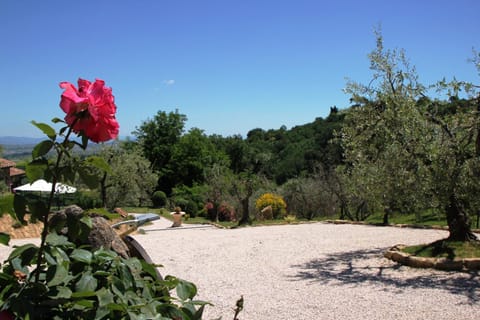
44	186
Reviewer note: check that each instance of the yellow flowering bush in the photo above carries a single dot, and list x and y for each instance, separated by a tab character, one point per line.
271	206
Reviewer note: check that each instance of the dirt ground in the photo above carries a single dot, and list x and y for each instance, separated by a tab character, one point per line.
29	231
33	230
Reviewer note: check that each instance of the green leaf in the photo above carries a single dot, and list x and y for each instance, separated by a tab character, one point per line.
36	169
62	130
57	120
78	229
126	276
56	254
57	274
150	269
83	304
81	255
23	256
186	290
101	273
84	142
87	221
42	148
102	313
60	292
88	177
4	238
83	294
87	283
99	163
54	239
105	297
46	129
199	313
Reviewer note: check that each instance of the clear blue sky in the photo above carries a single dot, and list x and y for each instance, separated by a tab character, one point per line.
229	66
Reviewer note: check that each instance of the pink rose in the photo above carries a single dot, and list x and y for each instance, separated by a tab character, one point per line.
90	109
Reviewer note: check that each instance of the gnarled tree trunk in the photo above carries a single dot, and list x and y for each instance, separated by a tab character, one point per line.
458	222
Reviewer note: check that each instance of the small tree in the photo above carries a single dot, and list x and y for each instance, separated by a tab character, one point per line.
129	181
242	188
219	180
159	199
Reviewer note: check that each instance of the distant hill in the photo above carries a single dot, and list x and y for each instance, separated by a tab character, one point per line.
20	148
11	140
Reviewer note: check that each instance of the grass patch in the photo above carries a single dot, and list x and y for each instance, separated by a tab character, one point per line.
103	212
6	204
424	219
446	249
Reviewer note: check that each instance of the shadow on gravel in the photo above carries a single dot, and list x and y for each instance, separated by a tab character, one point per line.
361	267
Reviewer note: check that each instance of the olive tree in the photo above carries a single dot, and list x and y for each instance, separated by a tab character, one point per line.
410	156
383	134
130	180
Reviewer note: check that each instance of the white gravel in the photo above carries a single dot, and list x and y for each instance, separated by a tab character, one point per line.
309	271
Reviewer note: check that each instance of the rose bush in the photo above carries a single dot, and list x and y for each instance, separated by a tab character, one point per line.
60	278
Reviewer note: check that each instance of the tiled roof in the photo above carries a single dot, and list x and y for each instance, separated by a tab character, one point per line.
4	163
16	172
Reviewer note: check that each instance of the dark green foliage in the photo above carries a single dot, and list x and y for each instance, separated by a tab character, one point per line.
6	203
77	283
284	154
183	159
66	278
87	199
181	202
159	199
190	199
191	155
157	138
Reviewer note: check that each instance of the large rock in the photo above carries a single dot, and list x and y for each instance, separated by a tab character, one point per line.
101	234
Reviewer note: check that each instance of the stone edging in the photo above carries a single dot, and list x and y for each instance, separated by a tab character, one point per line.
446	264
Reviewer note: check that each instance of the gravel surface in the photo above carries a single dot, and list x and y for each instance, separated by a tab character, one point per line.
309	271
312	271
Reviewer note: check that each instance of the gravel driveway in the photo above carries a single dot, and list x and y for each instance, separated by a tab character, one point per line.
312	271
309	271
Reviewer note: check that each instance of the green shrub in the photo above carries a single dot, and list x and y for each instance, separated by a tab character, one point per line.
87	200
182	203
4	188
159	199
6	203
192	208
78	283
271	205
190	199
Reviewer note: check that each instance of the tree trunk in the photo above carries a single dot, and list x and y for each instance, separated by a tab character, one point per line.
103	190
245	212
386	214
458	222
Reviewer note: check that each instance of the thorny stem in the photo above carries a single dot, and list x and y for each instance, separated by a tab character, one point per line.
45	216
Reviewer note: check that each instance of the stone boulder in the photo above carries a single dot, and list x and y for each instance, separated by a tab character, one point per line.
101	234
